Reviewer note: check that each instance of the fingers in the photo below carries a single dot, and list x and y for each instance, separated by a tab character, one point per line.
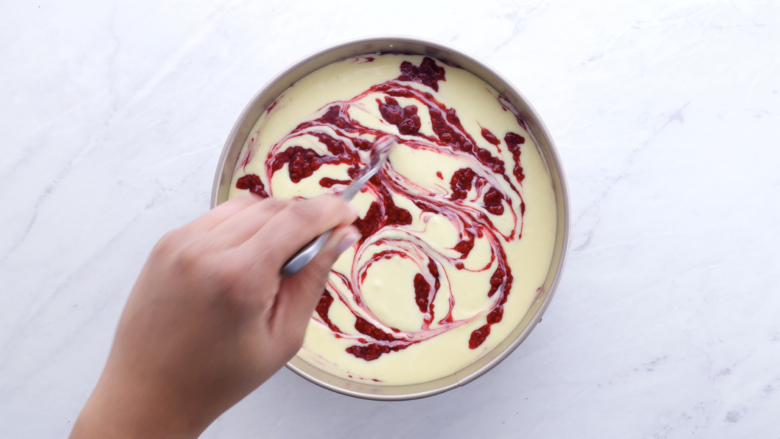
217	215
300	293
294	226
244	224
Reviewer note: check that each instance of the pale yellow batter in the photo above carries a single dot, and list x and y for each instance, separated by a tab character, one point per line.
387	292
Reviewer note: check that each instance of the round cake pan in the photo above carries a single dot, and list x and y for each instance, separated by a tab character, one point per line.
258	104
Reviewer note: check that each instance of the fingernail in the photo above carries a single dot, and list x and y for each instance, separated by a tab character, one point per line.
354	209
347	242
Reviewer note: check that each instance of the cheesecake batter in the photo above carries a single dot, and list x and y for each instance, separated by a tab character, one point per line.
458	228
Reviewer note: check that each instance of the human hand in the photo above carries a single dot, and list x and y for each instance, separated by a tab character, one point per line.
209	318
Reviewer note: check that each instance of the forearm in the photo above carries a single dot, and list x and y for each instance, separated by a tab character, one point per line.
122	410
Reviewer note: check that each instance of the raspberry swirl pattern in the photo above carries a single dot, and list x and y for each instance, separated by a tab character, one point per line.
481	200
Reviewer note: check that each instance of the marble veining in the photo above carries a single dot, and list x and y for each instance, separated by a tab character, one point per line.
667	117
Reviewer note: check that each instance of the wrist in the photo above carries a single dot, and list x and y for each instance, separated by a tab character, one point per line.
128	409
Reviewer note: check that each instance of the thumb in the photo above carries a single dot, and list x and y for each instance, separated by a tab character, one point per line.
300	293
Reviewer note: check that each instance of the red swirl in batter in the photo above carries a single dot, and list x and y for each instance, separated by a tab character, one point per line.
385	226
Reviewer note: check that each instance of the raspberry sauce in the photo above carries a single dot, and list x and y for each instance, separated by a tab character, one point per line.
478	191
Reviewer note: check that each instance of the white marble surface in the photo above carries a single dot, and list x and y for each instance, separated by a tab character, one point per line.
667	117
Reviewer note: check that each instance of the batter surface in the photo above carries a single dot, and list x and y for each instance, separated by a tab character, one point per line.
458	228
